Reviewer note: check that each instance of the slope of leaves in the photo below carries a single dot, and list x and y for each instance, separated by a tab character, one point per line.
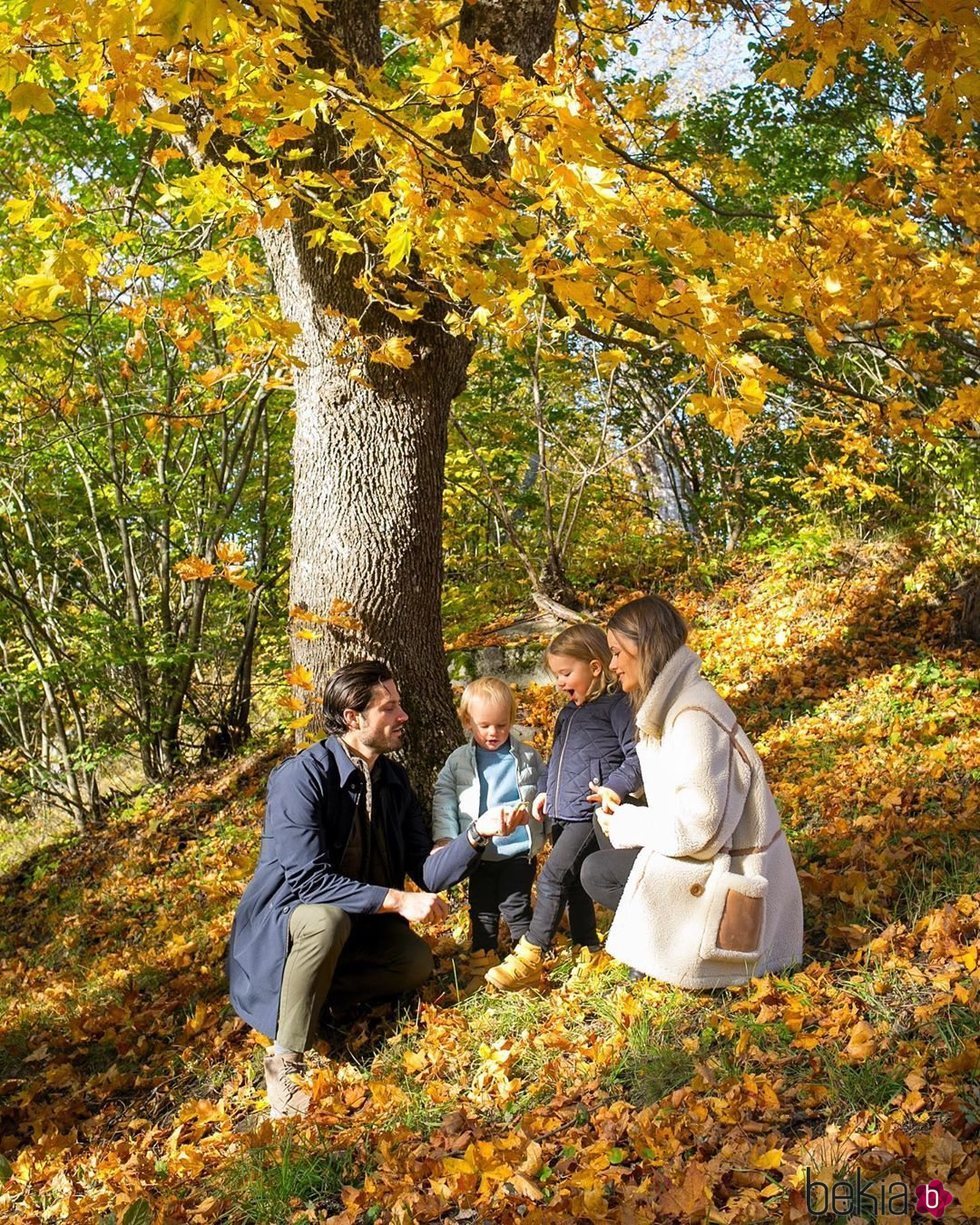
125	1079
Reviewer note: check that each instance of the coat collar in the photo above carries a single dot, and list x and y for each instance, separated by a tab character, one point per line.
680	670
346	768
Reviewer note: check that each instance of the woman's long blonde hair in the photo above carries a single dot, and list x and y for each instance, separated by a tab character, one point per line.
587	643
656	629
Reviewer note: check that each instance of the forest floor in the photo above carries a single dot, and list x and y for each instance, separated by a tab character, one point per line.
846	1089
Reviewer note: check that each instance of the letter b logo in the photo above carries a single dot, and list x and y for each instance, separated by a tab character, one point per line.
932	1198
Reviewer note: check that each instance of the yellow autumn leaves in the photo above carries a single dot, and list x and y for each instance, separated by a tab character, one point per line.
232	567
603	1100
486	187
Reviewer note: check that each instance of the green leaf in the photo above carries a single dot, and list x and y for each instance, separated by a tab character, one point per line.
138	1213
6	1169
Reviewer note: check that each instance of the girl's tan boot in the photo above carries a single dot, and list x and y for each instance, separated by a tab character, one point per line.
523	968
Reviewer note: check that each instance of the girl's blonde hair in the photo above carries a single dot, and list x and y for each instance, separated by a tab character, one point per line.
490	689
587	643
656	630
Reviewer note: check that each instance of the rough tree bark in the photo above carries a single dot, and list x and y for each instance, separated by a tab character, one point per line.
369	454
367	502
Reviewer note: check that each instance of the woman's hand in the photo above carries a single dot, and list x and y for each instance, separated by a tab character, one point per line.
539	807
605	797
604	817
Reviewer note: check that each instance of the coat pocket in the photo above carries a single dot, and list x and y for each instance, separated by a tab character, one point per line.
736	917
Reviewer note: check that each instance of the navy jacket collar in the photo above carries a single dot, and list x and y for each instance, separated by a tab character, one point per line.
346	770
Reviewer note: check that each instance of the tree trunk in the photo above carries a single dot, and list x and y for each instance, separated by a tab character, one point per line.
368	459
969	617
370	441
553	585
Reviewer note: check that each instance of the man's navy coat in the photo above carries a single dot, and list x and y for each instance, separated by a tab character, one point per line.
310	808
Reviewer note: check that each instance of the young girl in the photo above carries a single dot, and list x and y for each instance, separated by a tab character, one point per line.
593	761
494	770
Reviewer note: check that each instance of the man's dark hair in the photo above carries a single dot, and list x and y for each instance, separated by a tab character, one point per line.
351	688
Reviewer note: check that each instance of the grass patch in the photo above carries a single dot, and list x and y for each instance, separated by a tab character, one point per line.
749	1044
415	1109
512	1014
655	1060
852	1087
928	884
654	1068
97	1057
492	1015
21	1039
25	836
273	1184
955	1028
593	983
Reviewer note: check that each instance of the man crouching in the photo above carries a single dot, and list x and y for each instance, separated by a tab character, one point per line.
326	912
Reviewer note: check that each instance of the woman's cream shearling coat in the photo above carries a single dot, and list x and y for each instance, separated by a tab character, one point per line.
706	800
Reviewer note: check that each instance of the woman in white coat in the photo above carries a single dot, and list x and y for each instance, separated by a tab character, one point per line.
701	879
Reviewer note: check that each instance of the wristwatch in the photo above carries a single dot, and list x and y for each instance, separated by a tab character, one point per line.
477	841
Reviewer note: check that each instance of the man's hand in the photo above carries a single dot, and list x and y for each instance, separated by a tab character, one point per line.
540	806
604	817
415	907
605	797
496	821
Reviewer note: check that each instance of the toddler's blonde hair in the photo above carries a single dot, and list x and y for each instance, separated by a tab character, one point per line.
585	642
490	689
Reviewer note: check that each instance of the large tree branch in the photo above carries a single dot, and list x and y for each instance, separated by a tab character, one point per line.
697	196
